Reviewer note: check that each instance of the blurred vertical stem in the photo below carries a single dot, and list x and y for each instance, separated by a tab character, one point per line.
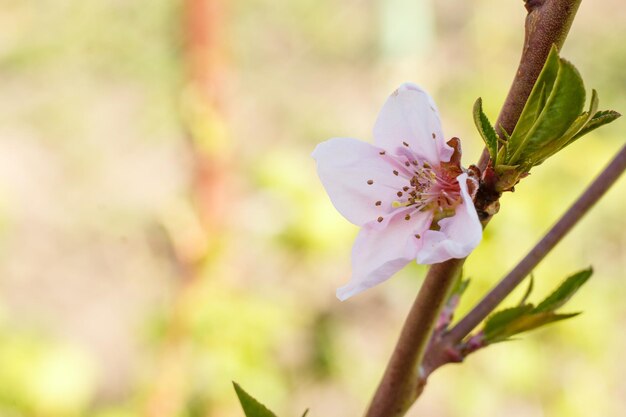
205	206
547	23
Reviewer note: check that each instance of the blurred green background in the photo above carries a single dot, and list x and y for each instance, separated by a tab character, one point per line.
163	231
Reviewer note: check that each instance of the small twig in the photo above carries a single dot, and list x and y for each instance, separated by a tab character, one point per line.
399	386
436	355
595	191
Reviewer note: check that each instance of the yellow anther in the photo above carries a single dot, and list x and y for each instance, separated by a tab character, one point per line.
396	204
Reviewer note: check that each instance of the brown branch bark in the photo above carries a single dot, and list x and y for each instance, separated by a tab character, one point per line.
399	387
547	23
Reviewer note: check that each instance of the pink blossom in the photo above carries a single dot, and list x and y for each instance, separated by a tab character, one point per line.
407	192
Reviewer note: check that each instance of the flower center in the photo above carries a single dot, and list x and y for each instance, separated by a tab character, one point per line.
428	188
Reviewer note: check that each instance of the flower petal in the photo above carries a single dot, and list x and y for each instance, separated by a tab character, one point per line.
409	115
379	253
458	235
346	167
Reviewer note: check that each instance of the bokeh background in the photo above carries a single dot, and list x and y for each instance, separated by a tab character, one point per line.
163	231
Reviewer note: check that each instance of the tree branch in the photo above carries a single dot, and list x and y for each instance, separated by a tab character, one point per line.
399	387
547	23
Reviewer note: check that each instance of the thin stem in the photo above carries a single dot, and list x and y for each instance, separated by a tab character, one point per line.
595	191
547	24
399	387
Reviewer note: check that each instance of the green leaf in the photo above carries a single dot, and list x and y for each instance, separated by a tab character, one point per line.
251	407
568	137
562	109
536	100
503	153
497	322
599	119
565	291
486	130
504	324
529	290
582	120
459	287
526	323
551	119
